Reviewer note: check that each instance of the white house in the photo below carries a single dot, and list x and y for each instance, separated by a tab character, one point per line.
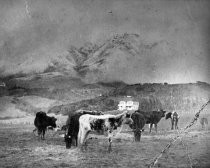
128	104
122	105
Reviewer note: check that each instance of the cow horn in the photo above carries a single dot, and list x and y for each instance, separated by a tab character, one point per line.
120	115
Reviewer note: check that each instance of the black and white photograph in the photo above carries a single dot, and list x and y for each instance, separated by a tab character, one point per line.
104	83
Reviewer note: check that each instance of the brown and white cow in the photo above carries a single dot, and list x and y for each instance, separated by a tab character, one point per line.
103	124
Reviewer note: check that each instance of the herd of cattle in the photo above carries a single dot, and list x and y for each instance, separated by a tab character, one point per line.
80	123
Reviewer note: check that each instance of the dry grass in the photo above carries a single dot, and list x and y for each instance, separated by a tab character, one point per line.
20	148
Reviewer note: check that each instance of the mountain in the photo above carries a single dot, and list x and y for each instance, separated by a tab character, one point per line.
125	42
124	57
119	58
99	60
32	65
61	63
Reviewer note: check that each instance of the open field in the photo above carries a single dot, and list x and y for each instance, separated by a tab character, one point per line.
19	147
60	57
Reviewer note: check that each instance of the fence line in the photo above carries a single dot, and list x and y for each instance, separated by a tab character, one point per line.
155	160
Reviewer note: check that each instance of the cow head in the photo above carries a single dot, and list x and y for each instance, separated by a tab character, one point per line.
52	122
124	118
162	113
128	119
168	115
41	114
175	115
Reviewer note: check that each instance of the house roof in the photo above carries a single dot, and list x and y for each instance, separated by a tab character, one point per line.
122	102
127	98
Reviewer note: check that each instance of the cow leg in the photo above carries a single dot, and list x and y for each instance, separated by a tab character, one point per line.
82	137
79	136
137	135
206	127
39	134
176	124
110	144
171	124
73	140
42	136
34	131
68	140
202	124
110	135
76	139
150	129
156	128
85	140
43	132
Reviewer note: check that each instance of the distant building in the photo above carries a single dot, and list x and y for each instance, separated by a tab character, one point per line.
128	104
122	105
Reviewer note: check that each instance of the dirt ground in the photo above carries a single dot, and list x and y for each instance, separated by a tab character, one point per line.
19	147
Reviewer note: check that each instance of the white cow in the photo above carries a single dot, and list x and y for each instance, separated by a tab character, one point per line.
104	124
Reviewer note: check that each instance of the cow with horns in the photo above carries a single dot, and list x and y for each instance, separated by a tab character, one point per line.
72	126
104	124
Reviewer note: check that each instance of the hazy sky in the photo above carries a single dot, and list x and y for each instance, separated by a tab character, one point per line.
44	28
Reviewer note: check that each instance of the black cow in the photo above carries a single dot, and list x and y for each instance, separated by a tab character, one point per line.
72	126
138	124
152	117
174	119
42	121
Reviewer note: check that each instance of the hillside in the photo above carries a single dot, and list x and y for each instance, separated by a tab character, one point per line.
124	57
184	98
62	94
98	76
